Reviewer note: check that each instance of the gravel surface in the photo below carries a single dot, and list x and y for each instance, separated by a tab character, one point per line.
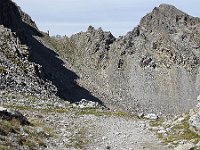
127	134
103	132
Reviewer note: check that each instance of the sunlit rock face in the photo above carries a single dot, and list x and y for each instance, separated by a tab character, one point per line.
155	67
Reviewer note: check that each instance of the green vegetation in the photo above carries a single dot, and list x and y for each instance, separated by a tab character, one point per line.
12	126
100	112
40	124
178	132
2	69
182	132
156	123
93	111
19	107
195	148
26	136
55	110
47	110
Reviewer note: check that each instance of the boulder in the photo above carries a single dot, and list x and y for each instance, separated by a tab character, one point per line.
186	146
194	122
8	114
151	116
87	104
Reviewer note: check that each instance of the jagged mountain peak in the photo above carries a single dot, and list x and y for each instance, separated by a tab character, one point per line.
167	7
166	19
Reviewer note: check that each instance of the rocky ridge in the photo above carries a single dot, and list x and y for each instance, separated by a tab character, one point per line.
154	68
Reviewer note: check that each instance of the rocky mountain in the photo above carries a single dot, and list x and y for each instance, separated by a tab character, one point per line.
28	65
154	68
52	89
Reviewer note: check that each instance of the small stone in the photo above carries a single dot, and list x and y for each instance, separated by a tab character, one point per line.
117	133
140	115
108	147
104	138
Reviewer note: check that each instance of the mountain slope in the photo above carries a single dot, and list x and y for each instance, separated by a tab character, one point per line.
155	67
38	61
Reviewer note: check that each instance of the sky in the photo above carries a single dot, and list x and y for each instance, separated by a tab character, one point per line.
67	17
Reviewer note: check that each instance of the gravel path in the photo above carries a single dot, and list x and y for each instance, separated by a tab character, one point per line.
103	132
124	134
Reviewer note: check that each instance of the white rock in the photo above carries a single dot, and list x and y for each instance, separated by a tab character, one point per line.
198	98
186	146
151	116
87	104
194	123
162	131
198	144
2	108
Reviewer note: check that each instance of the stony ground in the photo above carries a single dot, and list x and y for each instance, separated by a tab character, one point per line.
108	131
59	125
70	128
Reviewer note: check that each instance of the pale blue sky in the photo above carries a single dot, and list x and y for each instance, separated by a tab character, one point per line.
66	17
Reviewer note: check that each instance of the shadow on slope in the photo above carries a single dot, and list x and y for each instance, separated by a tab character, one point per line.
52	67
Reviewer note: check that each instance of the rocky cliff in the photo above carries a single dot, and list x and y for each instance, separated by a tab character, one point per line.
155	67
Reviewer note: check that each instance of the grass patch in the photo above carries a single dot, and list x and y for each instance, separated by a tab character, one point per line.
93	111
100	112
7	127
22	136
2	69
55	110
182	132
46	110
195	148
156	123
121	114
19	107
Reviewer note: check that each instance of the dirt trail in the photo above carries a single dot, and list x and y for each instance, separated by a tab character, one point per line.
90	132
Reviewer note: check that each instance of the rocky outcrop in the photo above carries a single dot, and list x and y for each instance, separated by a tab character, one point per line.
154	68
6	114
194	119
18	75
